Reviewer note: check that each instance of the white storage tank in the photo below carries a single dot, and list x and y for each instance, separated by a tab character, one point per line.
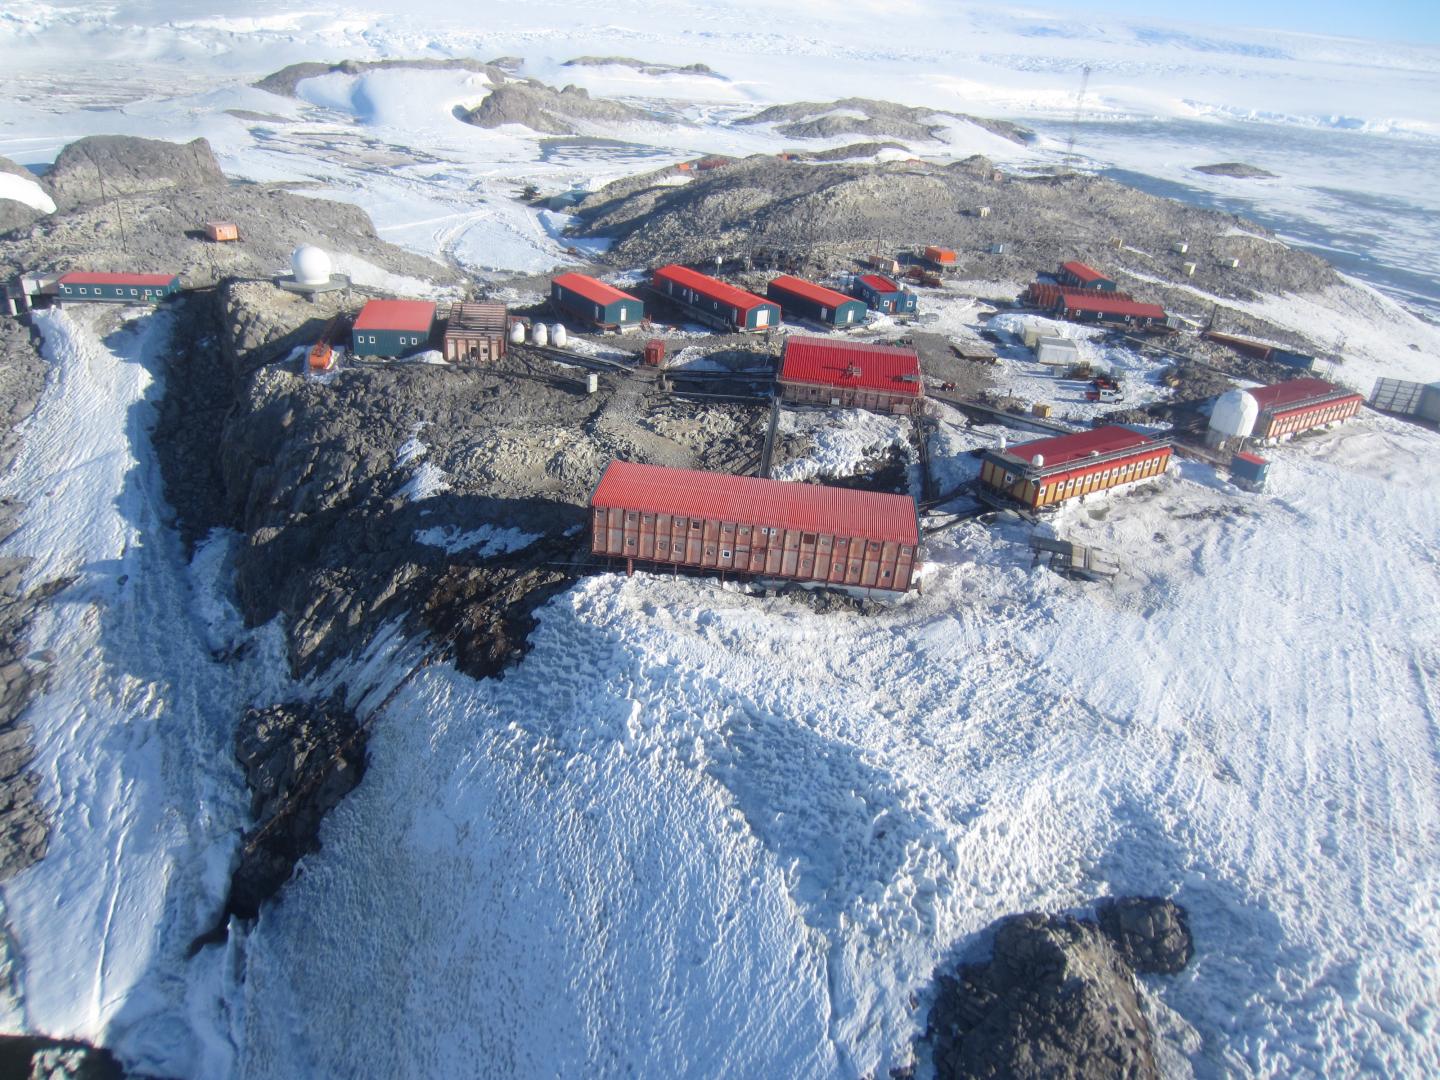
1235	414
539	334
517	333
557	336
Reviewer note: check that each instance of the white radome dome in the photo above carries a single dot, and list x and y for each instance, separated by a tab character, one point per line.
1235	414
310	265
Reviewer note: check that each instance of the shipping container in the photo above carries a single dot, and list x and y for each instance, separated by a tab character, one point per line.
939	256
222	231
654	352
1249	470
744	525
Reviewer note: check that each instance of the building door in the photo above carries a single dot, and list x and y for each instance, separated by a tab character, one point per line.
762	317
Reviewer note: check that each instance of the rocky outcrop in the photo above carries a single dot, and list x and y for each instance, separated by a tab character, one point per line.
104	166
35	1057
14	214
300	760
875	120
819	218
24	824
1151	934
645	67
285	81
1237	169
555	112
1058	998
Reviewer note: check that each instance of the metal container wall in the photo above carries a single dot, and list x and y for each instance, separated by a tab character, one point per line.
751	548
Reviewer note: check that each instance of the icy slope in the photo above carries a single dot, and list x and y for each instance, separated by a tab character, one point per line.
700	834
134	735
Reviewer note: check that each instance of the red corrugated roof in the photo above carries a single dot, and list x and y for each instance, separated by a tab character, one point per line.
81	277
1083	271
851	364
1063	449
880	283
408	315
1110	305
711	287
810	291
592	289
1276	398
747	500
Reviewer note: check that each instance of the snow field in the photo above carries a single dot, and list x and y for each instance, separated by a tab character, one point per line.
133	736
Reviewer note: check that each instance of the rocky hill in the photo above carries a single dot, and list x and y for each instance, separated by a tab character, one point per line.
284	81
821	217
545	109
874	120
105	166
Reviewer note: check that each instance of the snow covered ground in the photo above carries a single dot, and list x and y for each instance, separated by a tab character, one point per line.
135	735
695	832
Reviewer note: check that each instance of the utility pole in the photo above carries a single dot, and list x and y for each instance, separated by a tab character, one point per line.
1075	117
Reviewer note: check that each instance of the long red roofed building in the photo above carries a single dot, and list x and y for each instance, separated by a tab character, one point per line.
712	301
770	528
851	374
1048	471
1300	404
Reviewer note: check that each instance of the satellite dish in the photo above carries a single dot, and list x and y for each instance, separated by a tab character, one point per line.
310	265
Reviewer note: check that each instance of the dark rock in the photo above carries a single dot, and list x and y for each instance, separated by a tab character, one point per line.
1237	169
105	166
1152	935
300	760
1056	999
37	1057
284	81
543	108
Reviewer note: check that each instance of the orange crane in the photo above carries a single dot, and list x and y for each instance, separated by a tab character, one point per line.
322	355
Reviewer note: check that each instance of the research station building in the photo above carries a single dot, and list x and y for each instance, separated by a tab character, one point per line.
593	301
392	327
476	332
802	299
741	524
117	288
880	293
1049	471
713	302
851	374
1288	408
1083	276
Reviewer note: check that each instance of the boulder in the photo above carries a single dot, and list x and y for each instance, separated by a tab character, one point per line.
103	166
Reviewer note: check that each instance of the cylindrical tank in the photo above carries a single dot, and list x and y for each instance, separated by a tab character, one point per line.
539	335
517	333
558	336
1235	414
1038	460
310	265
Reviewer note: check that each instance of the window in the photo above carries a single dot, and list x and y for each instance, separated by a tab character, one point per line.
134	292
725	553
630	541
695	523
807	538
82	290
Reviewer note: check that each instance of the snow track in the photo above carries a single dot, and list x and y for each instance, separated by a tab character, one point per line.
133	736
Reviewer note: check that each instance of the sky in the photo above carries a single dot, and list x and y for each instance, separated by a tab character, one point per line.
1412	21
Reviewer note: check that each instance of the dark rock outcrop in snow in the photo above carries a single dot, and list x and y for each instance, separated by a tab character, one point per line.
1057	998
1152	935
13	214
35	1057
873	119
284	81
104	166
645	67
24	824
300	760
1237	169
543	108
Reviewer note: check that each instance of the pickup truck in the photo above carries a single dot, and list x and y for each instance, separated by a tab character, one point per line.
1104	395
